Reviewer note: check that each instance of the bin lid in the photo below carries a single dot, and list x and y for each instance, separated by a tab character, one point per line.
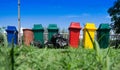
52	27
11	28
75	25
90	26
27	29
38	27
104	26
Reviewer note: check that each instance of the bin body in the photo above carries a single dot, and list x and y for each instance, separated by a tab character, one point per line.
74	34
12	33
38	33
103	34
28	36
90	27
52	29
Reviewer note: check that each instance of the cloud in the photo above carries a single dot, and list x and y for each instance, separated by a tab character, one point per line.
108	16
78	16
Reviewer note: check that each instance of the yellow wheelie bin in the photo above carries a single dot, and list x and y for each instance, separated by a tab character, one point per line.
88	34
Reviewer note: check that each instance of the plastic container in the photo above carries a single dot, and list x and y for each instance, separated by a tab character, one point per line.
91	28
74	34
103	34
38	31
28	36
52	29
12	34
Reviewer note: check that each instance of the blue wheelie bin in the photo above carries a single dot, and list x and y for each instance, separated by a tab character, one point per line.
12	34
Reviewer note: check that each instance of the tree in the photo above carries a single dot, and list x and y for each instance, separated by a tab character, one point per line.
114	13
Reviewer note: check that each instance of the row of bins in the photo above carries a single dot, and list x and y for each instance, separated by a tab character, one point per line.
89	32
37	34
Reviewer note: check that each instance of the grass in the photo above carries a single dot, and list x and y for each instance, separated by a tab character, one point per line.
22	57
31	58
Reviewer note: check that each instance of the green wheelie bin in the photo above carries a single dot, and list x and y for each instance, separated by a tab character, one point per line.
103	34
52	29
38	31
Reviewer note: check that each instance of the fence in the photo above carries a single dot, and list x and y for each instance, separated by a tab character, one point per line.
66	35
114	38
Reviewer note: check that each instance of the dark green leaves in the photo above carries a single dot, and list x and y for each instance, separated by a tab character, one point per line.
114	12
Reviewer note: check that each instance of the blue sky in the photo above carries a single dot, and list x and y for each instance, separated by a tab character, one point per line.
60	12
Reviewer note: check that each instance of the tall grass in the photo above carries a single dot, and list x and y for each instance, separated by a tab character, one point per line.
103	60
32	58
7	53
4	53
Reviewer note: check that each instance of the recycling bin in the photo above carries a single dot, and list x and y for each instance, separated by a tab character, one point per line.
12	34
38	33
74	34
103	34
28	36
52	29
88	34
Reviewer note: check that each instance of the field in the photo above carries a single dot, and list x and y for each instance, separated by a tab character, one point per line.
31	58
22	57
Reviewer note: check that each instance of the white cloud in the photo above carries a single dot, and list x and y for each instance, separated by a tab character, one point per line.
78	16
108	16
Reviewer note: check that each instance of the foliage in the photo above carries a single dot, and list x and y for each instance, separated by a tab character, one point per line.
31	58
114	12
1	38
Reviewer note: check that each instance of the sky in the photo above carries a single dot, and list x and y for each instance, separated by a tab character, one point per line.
60	12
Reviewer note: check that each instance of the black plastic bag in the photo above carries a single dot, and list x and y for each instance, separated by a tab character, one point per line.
58	41
37	44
